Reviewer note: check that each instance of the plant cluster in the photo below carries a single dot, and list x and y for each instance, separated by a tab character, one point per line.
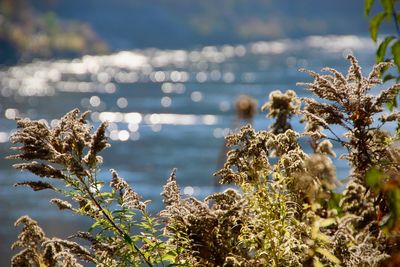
389	13
285	210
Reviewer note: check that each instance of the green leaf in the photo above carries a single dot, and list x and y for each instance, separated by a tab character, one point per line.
169	257
374	24
390	106
105	194
381	52
373	178
334	201
145	226
396	54
388	7
97	223
367	6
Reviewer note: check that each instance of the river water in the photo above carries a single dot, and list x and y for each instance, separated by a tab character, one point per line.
167	108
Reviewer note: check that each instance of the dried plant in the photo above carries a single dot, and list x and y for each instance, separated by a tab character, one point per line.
282	106
284	211
348	104
69	153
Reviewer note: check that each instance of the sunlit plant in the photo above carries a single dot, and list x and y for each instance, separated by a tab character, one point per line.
285	209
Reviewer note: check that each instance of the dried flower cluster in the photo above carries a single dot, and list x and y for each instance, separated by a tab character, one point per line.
205	230
282	106
284	212
39	250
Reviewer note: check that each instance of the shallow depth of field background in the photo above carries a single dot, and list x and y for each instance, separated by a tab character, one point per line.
165	74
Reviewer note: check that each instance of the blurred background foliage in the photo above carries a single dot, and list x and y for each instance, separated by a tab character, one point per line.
31	29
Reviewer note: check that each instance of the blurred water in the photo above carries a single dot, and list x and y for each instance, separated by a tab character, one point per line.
167	109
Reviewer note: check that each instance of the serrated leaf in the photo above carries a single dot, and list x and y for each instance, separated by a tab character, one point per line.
367	6
374	24
381	52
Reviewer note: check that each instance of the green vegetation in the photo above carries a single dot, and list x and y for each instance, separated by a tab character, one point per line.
26	33
284	212
389	47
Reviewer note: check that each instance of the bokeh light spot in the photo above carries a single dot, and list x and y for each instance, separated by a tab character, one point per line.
122	102
196	96
166	101
95	101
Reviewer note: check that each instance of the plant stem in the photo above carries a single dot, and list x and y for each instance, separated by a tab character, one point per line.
117	228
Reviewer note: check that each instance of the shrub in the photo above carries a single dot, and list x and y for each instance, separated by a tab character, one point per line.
285	210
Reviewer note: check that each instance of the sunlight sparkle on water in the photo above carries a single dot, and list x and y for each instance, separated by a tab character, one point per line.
123	135
133	127
133	117
95	101
228	77
196	96
111	116
168	88
100	73
224	106
11	113
122	102
4	137
201	77
166	101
